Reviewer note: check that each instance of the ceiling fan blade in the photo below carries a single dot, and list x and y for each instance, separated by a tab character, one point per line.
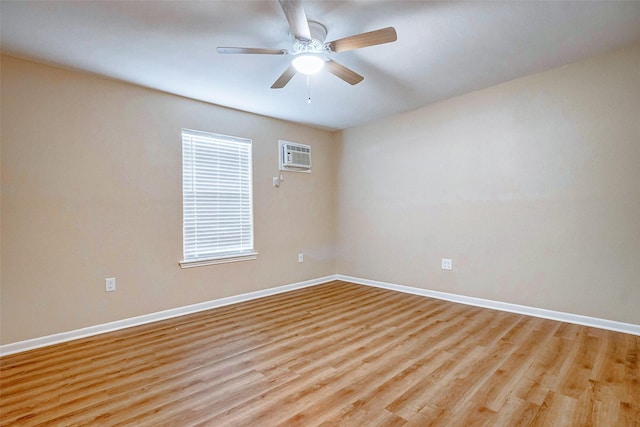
252	50
294	11
372	38
343	72
284	78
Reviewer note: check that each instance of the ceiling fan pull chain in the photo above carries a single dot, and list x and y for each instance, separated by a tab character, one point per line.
308	89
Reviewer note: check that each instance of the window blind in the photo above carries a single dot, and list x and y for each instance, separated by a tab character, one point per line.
217	197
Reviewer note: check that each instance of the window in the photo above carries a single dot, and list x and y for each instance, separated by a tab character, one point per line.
217	199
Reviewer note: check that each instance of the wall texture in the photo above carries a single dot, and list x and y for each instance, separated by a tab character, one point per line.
91	188
532	187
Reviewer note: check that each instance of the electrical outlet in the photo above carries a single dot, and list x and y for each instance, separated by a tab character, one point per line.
110	284
300	257
447	264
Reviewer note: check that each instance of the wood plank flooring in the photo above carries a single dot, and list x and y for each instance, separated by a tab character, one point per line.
333	354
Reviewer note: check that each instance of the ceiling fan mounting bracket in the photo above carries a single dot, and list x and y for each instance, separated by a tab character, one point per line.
317	30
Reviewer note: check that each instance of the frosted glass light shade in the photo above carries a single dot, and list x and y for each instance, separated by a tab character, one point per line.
308	64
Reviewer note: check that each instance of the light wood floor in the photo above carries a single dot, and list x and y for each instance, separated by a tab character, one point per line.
334	354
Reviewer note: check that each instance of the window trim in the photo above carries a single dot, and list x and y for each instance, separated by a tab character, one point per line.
219	260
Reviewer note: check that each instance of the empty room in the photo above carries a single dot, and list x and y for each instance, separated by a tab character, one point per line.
305	213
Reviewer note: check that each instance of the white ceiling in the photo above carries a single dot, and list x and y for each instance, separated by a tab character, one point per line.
444	48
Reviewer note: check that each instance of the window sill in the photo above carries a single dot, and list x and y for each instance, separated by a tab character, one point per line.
220	260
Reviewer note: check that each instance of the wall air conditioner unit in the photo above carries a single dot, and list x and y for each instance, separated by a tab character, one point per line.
294	157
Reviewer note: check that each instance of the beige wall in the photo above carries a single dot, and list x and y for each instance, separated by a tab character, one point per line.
91	188
532	187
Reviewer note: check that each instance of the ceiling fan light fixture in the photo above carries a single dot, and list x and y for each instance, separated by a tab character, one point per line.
308	64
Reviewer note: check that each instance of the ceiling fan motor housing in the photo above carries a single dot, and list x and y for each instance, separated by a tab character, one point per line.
316	44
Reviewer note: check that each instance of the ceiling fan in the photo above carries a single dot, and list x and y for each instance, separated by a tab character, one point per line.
310	51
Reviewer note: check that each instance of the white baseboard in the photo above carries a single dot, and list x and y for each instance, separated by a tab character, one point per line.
628	328
152	317
20	346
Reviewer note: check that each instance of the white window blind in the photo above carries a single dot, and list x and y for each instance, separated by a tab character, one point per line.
217	198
